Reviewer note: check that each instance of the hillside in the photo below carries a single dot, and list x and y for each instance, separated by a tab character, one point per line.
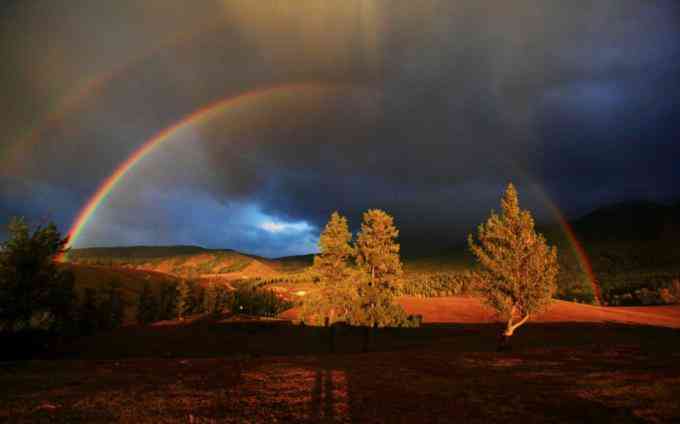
131	282
630	246
181	261
630	221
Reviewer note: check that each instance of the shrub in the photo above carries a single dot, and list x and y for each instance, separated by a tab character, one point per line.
646	292
259	302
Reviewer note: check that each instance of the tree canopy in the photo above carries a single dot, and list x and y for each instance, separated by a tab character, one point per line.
34	291
377	249
517	271
337	296
361	294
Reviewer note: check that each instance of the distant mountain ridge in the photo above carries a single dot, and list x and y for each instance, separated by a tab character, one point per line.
630	221
631	244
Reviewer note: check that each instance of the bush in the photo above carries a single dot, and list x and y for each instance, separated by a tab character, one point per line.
670	294
617	284
576	293
254	301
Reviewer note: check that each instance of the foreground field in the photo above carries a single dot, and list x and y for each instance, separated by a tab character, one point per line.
556	373
576	363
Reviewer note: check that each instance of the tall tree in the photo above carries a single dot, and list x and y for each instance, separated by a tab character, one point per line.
337	293
209	298
214	298
32	287
335	250
517	271
377	249
168	302
147	308
197	297
378	258
183	299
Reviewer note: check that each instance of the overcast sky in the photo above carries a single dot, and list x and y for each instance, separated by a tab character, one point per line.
424	109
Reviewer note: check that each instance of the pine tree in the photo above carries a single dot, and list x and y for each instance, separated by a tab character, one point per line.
168	302
197	298
337	295
378	258
147	308
517	270
335	251
31	284
210	298
377	250
213	300
183	299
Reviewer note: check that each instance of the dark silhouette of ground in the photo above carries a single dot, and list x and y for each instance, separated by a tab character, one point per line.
251	371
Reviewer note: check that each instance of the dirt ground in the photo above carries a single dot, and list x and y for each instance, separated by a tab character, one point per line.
205	371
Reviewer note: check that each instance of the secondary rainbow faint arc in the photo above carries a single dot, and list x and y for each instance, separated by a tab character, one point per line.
106	187
90	87
104	190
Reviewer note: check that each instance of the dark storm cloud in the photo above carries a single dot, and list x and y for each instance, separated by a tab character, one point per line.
436	106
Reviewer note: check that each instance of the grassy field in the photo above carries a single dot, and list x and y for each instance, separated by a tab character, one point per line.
240	369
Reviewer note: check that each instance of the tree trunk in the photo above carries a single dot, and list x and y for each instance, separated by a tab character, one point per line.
503	343
504	337
331	331
510	329
365	341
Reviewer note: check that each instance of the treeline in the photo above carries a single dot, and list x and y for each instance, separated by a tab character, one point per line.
38	295
177	301
641	288
436	284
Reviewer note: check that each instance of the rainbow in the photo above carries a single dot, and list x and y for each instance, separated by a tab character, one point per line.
580	252
198	116
205	113
576	246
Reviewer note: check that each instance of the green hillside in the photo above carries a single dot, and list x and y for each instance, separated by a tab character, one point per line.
182	261
131	282
631	246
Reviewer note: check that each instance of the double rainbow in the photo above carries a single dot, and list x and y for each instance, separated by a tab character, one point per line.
220	107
